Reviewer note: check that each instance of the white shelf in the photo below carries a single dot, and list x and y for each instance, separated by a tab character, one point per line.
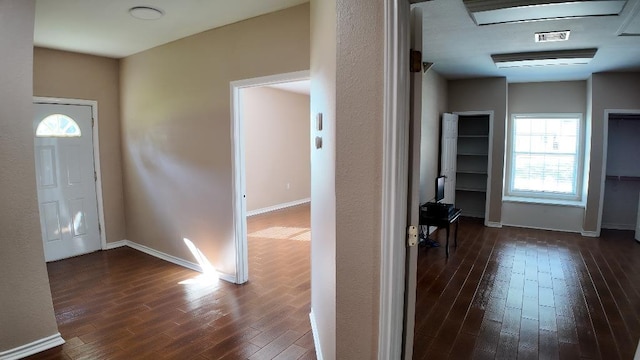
471	189
471	172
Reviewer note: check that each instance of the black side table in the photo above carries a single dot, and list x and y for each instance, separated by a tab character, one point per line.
441	221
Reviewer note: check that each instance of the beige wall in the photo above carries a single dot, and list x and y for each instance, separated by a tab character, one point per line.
434	103
359	114
276	142
176	125
480	95
323	176
617	91
26	311
62	74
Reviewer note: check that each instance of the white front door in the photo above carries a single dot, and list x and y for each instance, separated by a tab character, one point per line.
66	180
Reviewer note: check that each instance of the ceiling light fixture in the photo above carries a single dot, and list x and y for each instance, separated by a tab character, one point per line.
146	13
552	36
486	12
544	58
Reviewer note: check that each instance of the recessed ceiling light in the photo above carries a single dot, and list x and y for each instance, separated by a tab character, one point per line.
544	58
552	36
146	13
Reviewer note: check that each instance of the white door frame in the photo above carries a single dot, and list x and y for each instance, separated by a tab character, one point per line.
487	201
605	149
395	168
238	164
96	153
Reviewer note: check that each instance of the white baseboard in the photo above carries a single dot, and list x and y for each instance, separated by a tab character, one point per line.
33	347
278	207
170	258
493	224
115	245
593	234
316	336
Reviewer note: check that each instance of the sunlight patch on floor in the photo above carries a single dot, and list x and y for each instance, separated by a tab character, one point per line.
284	233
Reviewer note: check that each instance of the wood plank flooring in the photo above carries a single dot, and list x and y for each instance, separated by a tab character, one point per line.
528	294
123	304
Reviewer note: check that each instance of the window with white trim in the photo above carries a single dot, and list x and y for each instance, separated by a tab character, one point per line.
545	157
58	125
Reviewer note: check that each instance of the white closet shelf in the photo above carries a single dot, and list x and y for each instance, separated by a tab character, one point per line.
473	136
623	178
472	154
471	172
470	189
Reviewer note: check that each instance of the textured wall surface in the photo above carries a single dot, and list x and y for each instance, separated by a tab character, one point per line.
26	311
176	125
62	74
359	117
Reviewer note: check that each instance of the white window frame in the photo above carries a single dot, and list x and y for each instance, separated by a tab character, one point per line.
545	197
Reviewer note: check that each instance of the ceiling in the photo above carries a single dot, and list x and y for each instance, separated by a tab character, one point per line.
302	87
460	49
105	28
457	47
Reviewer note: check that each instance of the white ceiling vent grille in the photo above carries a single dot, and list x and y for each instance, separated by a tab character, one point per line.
552	36
486	12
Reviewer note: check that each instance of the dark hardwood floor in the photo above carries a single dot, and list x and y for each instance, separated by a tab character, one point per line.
528	294
123	304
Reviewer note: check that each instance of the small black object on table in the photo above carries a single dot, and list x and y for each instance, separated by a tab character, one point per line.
442	216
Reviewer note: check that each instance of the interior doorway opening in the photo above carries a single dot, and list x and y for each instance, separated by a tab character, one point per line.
271	172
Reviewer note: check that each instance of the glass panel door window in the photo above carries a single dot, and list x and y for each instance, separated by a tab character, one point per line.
545	156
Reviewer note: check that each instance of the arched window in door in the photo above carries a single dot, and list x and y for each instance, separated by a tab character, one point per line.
58	125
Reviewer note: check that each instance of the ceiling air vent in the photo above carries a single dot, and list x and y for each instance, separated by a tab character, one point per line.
552	36
486	12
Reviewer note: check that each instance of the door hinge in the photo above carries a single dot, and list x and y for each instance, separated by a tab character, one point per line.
99	228
412	235
95	176
416	61
93	122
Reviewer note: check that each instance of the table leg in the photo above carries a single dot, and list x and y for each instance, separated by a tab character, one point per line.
447	249
455	234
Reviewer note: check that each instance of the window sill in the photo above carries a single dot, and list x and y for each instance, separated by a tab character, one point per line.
540	201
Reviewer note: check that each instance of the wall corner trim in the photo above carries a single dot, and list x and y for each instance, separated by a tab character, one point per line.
493	224
316	335
115	245
593	234
33	347
278	207
166	257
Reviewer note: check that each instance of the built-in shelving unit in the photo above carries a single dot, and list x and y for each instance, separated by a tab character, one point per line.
472	164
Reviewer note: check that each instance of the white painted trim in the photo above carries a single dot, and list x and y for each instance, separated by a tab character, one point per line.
278	207
395	164
172	259
487	200
115	245
542	228
96	153
34	347
593	234
316	335
238	166
493	224
605	149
